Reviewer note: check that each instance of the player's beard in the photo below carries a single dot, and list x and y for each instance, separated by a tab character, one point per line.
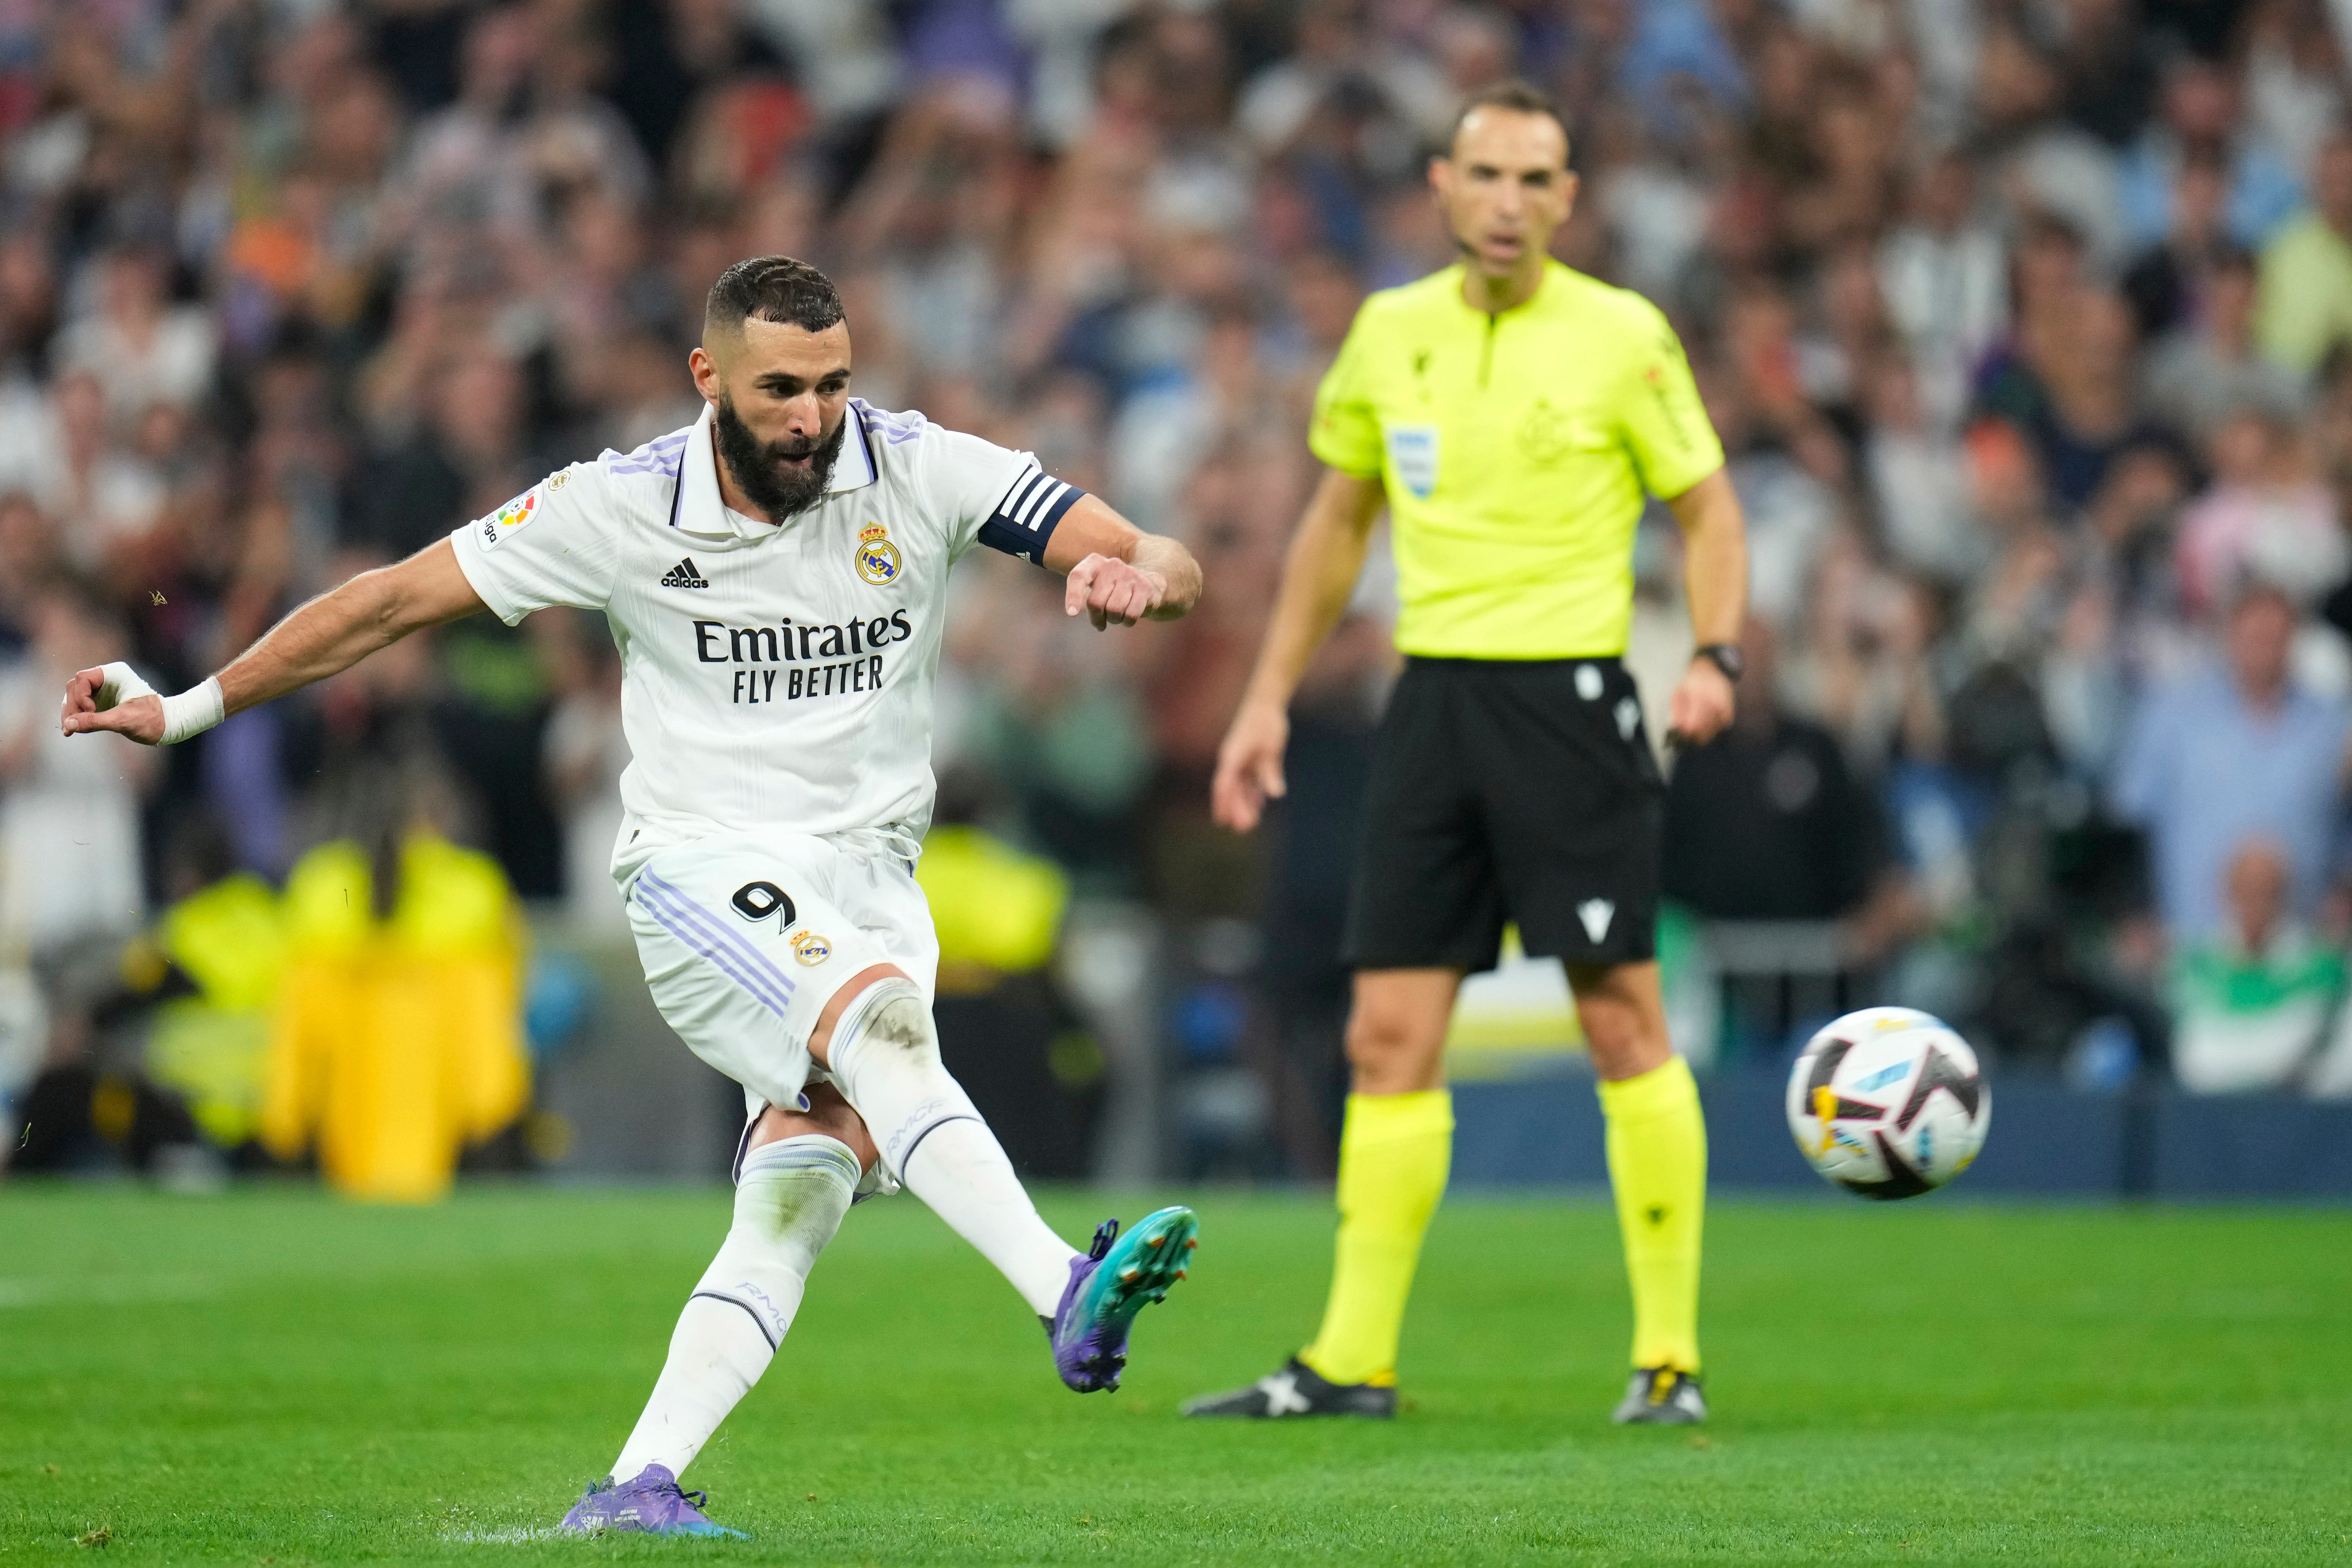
759	466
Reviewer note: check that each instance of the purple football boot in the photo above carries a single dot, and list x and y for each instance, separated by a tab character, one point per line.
650	1505
1108	1285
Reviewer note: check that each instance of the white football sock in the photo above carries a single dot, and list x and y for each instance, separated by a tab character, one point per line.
788	1203
886	1060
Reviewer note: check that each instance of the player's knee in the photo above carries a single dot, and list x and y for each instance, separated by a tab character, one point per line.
849	1008
832	1115
1624	1021
886	1028
828	1115
900	1023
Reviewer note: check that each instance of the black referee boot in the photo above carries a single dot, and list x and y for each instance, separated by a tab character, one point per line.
1298	1390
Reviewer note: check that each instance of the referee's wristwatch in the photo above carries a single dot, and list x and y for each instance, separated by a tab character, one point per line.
1726	656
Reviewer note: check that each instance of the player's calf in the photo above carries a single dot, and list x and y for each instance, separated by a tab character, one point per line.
885	1055
790	1197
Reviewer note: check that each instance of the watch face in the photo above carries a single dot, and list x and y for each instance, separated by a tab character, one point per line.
1729	658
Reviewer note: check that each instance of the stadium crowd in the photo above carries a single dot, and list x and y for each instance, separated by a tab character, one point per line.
2028	324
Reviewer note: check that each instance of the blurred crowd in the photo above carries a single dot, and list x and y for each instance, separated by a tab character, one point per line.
2027	325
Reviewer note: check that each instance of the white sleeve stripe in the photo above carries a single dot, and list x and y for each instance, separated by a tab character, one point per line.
1020	489
1038	504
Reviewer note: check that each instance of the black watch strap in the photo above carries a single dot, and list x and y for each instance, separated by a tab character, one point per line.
1726	656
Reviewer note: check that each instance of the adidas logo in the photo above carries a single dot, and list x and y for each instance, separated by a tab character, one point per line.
683	575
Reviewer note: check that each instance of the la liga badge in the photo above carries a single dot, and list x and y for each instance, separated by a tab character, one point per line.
511	517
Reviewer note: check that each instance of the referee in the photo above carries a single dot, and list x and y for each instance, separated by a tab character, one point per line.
1511	413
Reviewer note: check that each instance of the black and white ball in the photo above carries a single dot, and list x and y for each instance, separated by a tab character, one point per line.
1888	1102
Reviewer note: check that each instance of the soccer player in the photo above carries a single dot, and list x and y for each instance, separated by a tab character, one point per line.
1511	413
775	577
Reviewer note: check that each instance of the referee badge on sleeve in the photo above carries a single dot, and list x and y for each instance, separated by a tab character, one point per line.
1412	457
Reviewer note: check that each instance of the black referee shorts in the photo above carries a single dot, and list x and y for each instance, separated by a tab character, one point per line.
1509	790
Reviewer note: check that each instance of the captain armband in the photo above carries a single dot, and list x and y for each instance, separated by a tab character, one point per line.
1026	519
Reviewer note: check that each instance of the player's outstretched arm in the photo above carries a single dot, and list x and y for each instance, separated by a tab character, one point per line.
1715	578
1117	574
330	633
1326	557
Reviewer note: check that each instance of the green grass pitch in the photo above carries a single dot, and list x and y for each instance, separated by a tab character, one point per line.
276	1378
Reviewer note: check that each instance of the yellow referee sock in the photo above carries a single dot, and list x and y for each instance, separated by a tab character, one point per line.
1657	1163
1394	1152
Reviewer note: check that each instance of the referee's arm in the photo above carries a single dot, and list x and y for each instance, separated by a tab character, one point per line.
1715	580
1327	555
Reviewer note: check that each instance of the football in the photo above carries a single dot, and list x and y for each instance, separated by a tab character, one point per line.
1888	1102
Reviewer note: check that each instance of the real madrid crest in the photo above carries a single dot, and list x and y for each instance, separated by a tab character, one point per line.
809	947
877	558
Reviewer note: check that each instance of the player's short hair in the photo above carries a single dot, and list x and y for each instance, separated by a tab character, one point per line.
772	288
1516	94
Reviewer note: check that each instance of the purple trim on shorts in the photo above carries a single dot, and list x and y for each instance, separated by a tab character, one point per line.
715	956
683	920
718	927
676	916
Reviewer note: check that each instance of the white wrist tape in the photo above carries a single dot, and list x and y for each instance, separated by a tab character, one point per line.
118	683
192	712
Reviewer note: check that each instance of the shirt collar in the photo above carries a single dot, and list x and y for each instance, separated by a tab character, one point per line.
854	469
698	508
1552	272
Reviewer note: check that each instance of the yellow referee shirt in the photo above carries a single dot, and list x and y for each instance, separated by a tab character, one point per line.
1515	449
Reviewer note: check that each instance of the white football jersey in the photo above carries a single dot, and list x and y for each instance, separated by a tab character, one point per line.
773	677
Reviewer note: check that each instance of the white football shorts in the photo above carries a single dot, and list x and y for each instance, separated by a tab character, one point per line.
746	936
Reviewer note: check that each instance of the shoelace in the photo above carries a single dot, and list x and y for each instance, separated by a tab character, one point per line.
671	1489
1105	1234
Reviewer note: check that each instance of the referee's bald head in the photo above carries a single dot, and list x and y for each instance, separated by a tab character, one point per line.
1513	95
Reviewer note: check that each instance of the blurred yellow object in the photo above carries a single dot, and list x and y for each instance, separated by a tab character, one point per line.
998	911
214	1047
397	1041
